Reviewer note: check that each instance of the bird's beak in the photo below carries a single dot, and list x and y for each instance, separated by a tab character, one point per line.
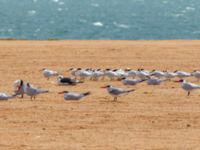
18	87
177	81
60	92
103	87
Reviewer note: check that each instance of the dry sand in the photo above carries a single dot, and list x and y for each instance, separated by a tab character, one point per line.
153	118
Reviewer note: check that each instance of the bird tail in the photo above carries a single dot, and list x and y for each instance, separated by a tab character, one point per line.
80	81
44	91
142	80
130	91
86	93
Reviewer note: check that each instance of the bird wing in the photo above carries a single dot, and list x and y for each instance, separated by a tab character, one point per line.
116	91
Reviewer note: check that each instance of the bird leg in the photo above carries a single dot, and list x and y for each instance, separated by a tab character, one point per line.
22	96
188	93
115	98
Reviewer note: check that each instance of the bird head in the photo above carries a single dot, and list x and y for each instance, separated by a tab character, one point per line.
175	71
181	80
70	69
28	85
107	86
43	69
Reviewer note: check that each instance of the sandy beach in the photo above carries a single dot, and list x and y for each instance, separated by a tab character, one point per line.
151	118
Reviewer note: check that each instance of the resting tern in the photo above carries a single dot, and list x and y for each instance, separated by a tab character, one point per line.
143	74
182	74
187	86
73	95
96	74
115	92
49	73
196	74
4	96
157	73
169	75
155	81
131	81
67	81
131	73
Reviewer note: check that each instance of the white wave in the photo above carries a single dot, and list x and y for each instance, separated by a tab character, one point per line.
83	20
32	12
121	25
95	5
59	9
98	24
10	30
190	8
52	22
178	15
196	32
56	1
61	3
37	30
165	2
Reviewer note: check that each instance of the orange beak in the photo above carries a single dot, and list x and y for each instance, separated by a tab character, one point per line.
103	87
60	92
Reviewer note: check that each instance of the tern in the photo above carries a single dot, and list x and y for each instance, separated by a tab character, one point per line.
74	95
143	74
49	73
84	73
115	92
4	96
131	73
18	86
132	81
155	81
67	81
196	74
96	74
169	75
187	86
32	91
182	74
157	73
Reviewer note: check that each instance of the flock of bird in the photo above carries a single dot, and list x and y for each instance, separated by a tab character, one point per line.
126	76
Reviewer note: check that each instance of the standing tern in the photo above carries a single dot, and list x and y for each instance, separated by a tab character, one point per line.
32	91
187	86
73	95
115	92
18	86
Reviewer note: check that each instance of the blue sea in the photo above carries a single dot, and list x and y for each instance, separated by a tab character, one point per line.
100	19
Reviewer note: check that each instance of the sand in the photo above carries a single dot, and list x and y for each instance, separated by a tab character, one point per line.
152	118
